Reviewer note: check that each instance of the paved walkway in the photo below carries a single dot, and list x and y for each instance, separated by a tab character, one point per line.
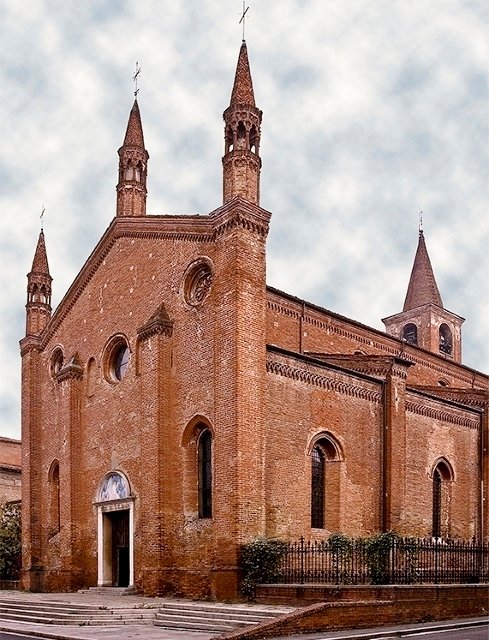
150	632
121	632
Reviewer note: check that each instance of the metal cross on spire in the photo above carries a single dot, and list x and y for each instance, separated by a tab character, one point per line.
135	78
420	221
243	18
42	217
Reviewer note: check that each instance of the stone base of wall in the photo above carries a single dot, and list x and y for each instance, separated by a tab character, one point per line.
386	605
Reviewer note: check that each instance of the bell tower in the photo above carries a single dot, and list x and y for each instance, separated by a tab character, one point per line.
424	322
242	121
133	166
38	307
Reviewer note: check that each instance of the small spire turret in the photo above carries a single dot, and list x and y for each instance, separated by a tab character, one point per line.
38	307
241	161
133	165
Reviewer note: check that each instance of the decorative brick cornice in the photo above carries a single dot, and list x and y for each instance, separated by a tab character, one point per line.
240	213
477	398
379	366
444	415
158	324
30	343
305	374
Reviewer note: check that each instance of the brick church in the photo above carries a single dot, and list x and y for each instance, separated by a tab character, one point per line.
174	406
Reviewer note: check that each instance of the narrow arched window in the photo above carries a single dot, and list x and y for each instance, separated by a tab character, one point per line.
205	474
410	333
442	475
54	507
241	136
317	487
445	339
437	483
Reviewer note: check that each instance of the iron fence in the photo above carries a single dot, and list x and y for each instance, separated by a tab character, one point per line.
395	561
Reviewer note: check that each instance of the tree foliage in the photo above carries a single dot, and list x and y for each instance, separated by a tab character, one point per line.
10	541
260	561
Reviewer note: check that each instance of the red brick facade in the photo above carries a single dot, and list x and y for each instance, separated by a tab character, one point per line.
169	338
10	470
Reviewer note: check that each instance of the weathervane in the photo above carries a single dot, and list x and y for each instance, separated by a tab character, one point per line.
421	222
135	78
42	217
243	18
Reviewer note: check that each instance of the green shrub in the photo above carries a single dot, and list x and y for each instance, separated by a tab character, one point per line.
260	562
377	551
10	541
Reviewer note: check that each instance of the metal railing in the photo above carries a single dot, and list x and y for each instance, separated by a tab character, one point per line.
397	561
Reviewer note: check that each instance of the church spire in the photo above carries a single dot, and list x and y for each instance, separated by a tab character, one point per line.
242	119
422	288
242	92
133	164
424	322
38	307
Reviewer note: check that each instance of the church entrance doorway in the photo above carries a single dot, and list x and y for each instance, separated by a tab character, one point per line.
119	527
115	532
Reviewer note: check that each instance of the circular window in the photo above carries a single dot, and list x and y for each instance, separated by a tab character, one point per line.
116	360
120	361
198	282
56	362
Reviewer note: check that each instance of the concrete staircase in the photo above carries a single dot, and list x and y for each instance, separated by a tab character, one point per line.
214	617
60	613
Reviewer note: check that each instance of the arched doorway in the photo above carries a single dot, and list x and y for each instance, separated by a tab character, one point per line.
115	535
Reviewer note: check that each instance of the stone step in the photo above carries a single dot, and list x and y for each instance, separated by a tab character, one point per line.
74	612
234	616
217	618
199	625
113	591
87	622
50	604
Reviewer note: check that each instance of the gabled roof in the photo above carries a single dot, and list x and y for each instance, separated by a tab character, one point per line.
422	288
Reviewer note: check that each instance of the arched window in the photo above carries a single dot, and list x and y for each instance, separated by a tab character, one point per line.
317	487
241	136
442	474
229	140
324	489
253	139
410	334
445	339
205	474
54	510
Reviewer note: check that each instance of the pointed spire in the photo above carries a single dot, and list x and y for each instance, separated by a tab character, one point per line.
133	167
134	132
38	307
243	85
40	262
422	288
242	122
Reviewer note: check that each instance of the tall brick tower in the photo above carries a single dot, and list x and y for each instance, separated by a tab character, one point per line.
241	160
133	167
38	305
38	314
424	321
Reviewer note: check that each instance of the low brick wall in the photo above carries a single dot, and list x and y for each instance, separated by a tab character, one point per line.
386	605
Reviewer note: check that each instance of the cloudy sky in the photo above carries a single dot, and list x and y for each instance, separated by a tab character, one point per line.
373	111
